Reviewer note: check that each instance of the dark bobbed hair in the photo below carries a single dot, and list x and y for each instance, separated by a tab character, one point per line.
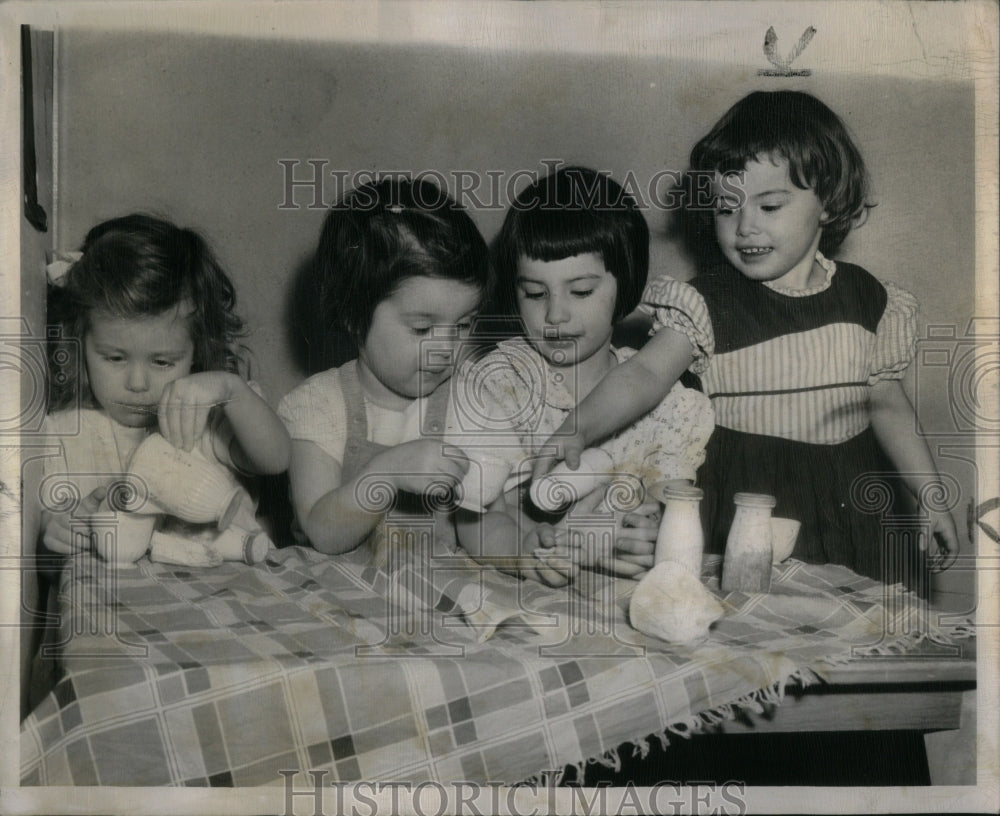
140	266
797	127
574	211
384	233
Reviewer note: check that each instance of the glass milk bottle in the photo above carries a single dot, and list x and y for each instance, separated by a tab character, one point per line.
680	537
747	563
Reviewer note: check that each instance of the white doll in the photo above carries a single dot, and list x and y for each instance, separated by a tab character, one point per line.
170	489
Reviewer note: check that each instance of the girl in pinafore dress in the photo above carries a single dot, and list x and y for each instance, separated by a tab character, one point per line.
801	357
403	269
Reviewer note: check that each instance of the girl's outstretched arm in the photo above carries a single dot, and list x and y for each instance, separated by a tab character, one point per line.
261	437
328	511
261	441
333	513
895	426
627	392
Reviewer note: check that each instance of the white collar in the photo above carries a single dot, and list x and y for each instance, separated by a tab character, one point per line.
825	264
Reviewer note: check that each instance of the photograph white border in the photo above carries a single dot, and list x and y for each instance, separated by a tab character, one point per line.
931	40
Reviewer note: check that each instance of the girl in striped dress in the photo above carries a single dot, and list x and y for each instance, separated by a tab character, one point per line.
801	357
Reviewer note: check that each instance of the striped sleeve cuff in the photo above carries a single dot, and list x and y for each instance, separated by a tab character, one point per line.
676	305
896	335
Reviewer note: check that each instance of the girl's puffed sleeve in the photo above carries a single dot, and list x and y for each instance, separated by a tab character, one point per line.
483	407
895	336
314	412
487	399
669	442
679	306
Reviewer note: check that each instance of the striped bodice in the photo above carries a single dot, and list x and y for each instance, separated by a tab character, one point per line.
811	386
794	367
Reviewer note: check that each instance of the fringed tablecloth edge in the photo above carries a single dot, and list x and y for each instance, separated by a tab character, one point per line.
772	694
962	628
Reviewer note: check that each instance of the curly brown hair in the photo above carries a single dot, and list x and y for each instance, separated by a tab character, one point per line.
136	266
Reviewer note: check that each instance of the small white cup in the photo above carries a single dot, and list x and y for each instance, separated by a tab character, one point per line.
130	540
784	533
484	480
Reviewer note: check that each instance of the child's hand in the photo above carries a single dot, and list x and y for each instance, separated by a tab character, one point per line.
555	563
635	540
568	443
944	544
59	534
634	535
185	405
420	465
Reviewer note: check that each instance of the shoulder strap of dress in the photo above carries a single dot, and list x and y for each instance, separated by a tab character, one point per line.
864	290
431	423
436	410
354	401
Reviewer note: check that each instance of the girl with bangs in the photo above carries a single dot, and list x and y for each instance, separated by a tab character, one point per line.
571	262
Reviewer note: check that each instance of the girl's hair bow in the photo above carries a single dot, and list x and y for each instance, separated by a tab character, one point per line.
59	265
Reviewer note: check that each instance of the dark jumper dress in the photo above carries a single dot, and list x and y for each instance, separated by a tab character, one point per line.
789	376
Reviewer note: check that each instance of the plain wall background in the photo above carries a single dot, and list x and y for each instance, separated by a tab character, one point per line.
194	127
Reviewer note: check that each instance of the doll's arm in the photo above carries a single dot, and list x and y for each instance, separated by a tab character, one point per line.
626	393
893	420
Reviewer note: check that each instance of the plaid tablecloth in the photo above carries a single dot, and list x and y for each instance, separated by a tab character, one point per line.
226	676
